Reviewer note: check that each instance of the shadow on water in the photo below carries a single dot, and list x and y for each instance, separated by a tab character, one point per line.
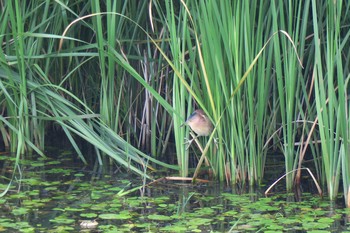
60	195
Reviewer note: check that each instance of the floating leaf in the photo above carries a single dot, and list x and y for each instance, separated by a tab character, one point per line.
31	181
96	195
120	216
55	162
33	192
315	225
37	164
79	175
174	228
99	206
73	209
326	220
159	217
88	215
20	211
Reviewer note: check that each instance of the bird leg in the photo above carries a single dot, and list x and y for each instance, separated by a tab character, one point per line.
189	141
216	141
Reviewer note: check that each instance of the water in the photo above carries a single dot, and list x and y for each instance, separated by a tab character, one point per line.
60	195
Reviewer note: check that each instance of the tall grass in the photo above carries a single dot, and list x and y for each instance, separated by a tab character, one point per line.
23	79
224	29
129	73
331	78
179	45
290	17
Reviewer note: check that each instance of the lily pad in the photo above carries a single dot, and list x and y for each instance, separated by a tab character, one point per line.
20	211
88	215
159	217
121	216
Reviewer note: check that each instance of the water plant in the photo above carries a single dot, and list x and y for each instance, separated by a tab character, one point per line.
124	75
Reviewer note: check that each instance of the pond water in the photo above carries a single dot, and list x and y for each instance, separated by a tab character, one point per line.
61	196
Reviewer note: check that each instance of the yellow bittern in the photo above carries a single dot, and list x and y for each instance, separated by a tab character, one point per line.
199	123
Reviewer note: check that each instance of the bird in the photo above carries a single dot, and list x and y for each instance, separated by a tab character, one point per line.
200	123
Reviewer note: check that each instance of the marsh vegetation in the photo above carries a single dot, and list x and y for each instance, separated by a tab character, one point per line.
124	75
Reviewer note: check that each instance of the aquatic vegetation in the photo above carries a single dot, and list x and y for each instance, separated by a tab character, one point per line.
65	203
271	76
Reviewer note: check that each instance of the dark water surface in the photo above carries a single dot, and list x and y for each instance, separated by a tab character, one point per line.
60	196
